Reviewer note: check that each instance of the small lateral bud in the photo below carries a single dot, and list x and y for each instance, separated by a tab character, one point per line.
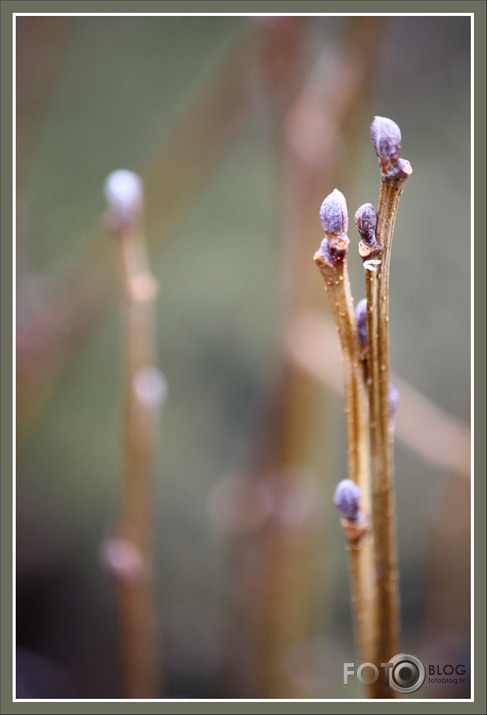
124	194
354	522
361	317
347	499
333	213
394	396
386	138
150	386
366	222
123	560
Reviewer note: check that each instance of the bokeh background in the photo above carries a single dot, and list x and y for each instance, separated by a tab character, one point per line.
239	126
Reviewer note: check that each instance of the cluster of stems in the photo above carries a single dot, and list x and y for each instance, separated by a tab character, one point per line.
366	500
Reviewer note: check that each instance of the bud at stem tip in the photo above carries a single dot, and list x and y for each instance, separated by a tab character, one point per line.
333	213
366	222
125	195
386	138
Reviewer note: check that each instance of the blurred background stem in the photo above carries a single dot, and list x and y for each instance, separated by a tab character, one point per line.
314	104
137	618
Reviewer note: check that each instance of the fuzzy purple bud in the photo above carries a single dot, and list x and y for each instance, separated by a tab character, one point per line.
386	137
333	213
347	499
361	317
366	222
394	396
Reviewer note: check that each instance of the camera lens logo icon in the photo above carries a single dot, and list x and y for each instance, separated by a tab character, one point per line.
406	673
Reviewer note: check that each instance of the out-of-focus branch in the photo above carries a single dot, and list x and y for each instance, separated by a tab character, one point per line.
425	428
144	387
311	117
199	139
192	149
39	51
55	316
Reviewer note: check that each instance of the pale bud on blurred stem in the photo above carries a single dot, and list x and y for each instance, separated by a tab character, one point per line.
123	560
124	194
394	397
150	386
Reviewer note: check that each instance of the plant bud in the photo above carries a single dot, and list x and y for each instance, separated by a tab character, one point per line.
366	222
124	194
150	386
361	317
347	499
123	560
394	396
333	213
386	137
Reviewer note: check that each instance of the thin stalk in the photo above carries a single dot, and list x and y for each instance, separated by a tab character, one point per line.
382	436
331	261
361	555
136	608
133	545
376	252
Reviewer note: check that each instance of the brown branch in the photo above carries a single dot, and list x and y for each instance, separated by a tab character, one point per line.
144	385
395	171
176	172
331	261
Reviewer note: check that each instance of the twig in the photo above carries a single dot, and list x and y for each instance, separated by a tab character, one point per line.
331	260
131	552
356	527
177	171
376	246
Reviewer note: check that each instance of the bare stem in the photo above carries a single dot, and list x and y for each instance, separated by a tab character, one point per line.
137	622
335	276
382	435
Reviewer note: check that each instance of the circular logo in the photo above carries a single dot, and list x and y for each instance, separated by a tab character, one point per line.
406	673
